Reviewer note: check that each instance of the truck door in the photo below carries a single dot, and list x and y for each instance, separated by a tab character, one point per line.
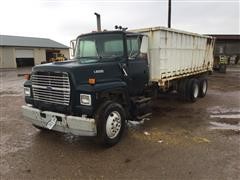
138	71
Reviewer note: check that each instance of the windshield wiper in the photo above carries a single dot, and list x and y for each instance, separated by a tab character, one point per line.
111	57
88	59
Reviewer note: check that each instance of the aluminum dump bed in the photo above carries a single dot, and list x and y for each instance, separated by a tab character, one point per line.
175	54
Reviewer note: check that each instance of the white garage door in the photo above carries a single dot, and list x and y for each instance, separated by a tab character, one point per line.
24	53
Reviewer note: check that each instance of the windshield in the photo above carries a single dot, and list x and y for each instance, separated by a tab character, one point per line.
106	47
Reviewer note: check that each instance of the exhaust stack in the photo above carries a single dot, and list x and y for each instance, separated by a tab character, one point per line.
98	21
169	13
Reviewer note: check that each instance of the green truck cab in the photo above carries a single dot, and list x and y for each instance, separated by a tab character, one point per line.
93	94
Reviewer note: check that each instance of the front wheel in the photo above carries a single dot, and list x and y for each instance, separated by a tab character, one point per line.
110	119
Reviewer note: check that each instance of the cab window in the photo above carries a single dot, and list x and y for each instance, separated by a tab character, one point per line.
88	48
133	46
113	47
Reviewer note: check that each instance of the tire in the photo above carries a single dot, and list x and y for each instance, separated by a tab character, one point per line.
192	90
110	119
182	87
203	86
222	68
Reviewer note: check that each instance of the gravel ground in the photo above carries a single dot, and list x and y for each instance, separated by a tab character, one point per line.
181	141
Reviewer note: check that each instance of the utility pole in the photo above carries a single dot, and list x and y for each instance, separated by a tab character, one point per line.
169	13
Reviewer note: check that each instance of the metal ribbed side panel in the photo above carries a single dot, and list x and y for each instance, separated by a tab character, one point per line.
174	54
51	87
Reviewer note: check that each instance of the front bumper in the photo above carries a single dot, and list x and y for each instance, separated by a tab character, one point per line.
68	124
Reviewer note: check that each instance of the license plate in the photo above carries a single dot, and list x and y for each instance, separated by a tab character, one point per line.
52	122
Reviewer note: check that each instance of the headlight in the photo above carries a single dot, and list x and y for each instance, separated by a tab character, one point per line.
85	99
27	91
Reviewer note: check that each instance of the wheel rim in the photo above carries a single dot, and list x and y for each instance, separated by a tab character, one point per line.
204	87
113	124
195	91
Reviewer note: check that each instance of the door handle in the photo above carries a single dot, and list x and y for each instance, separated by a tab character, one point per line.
124	71
123	66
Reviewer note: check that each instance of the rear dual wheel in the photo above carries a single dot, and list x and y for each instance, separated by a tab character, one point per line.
193	88
203	86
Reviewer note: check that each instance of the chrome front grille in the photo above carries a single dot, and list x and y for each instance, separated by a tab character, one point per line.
51	87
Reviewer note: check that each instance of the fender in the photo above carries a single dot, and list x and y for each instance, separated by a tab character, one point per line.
100	87
113	88
98	91
108	86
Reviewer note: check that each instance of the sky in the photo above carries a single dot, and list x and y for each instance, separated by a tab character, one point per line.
64	20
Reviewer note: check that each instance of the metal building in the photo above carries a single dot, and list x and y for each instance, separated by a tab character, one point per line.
18	51
227	45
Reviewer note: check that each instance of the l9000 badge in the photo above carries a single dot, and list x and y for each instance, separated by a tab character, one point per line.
98	71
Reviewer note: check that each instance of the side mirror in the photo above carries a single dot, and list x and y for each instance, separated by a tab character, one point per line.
72	47
144	45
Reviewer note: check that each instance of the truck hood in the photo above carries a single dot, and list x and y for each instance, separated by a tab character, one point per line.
81	72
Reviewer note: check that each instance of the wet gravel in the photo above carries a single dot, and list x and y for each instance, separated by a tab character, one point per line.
181	141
